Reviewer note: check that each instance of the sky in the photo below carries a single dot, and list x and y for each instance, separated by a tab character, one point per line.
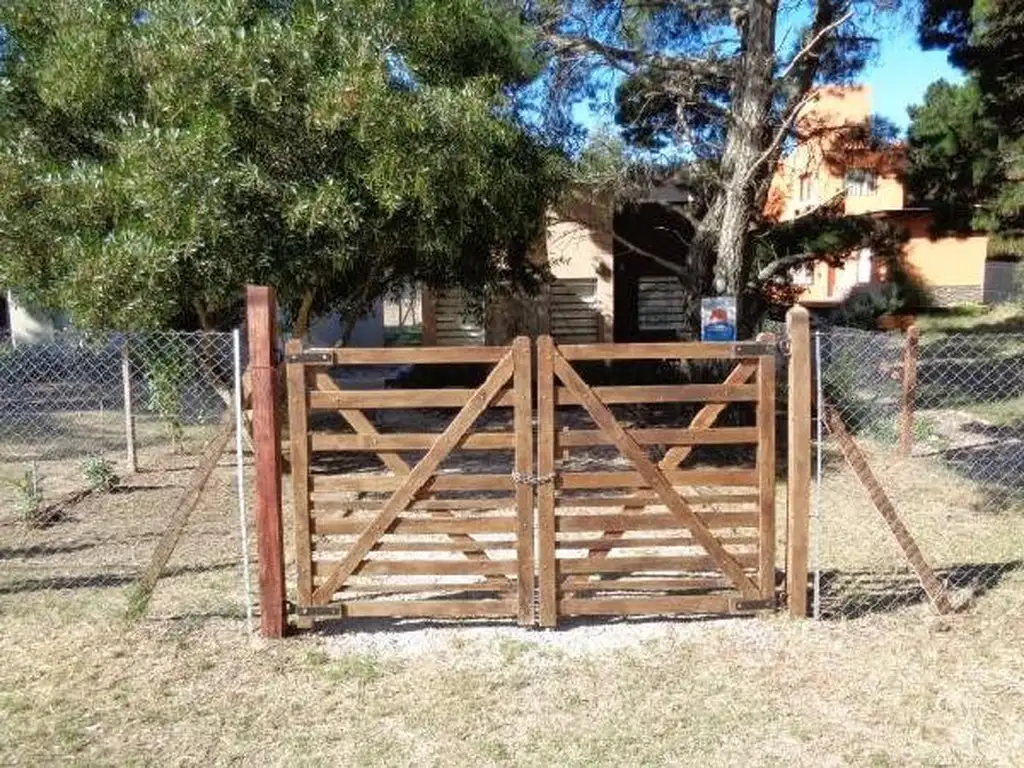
898	76
903	72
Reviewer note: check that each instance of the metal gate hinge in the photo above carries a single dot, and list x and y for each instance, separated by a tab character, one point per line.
525	478
753	349
310	356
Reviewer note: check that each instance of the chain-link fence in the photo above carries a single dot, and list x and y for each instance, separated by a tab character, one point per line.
941	424
99	436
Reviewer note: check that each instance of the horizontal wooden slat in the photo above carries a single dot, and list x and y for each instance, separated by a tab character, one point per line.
648	563
638	606
666	393
390	545
650	498
497	586
407	441
429	608
338	524
690	350
648	542
647	585
332	501
399	398
423	567
692	477
650	522
408	355
578	438
453	482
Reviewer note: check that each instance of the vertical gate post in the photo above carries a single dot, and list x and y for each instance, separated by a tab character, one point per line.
523	416
547	566
799	458
261	311
298	436
908	391
766	470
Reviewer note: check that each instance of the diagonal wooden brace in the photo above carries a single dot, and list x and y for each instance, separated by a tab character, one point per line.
654	476
416	479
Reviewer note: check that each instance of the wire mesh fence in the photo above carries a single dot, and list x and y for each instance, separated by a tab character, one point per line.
940	422
98	437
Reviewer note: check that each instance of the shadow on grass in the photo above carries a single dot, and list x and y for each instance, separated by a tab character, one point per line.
853	594
102	580
335	626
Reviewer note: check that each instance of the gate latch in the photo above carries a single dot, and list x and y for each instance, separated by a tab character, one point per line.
525	478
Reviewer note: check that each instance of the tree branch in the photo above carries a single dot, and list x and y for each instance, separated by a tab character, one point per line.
809	48
676	269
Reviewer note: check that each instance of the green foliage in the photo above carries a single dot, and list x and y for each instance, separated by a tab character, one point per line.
167	366
953	161
153	163
967	142
100	474
28	499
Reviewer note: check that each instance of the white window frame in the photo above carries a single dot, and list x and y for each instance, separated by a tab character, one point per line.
865	267
860	182
803	275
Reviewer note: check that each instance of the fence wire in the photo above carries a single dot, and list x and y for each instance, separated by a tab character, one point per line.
957	480
98	438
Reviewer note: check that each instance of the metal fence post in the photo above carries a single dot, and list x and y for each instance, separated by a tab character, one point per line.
129	416
243	518
816	528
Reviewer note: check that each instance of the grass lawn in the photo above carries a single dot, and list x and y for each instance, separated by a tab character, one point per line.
186	685
975	318
894	689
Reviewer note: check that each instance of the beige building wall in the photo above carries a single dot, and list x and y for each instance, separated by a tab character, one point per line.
578	250
584	250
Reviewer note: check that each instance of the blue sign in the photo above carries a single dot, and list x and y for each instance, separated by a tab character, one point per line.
718	318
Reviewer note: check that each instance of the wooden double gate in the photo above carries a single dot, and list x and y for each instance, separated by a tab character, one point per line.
537	499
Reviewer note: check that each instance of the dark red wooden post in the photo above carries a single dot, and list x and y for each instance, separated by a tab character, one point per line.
261	309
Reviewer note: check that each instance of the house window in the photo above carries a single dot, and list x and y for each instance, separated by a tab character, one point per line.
803	276
860	182
806	191
660	303
864	265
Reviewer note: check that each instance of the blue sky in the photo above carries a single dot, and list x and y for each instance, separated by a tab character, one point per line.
898	76
903	72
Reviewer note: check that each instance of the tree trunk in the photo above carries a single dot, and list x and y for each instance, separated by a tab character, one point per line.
301	327
744	146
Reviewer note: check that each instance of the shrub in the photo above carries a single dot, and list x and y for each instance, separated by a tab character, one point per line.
167	367
99	473
28	502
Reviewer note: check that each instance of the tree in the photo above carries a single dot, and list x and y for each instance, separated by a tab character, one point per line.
985	115
152	162
712	84
953	161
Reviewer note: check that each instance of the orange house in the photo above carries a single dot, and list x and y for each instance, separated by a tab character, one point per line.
828	168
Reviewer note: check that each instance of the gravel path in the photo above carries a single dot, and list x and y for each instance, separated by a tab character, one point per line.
572	638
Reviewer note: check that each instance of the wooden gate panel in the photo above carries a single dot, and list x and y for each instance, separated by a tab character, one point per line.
683	539
410	539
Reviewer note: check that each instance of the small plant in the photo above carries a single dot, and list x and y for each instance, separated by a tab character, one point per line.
99	473
167	371
28	502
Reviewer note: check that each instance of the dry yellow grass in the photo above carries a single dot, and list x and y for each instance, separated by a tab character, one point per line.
898	689
188	686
